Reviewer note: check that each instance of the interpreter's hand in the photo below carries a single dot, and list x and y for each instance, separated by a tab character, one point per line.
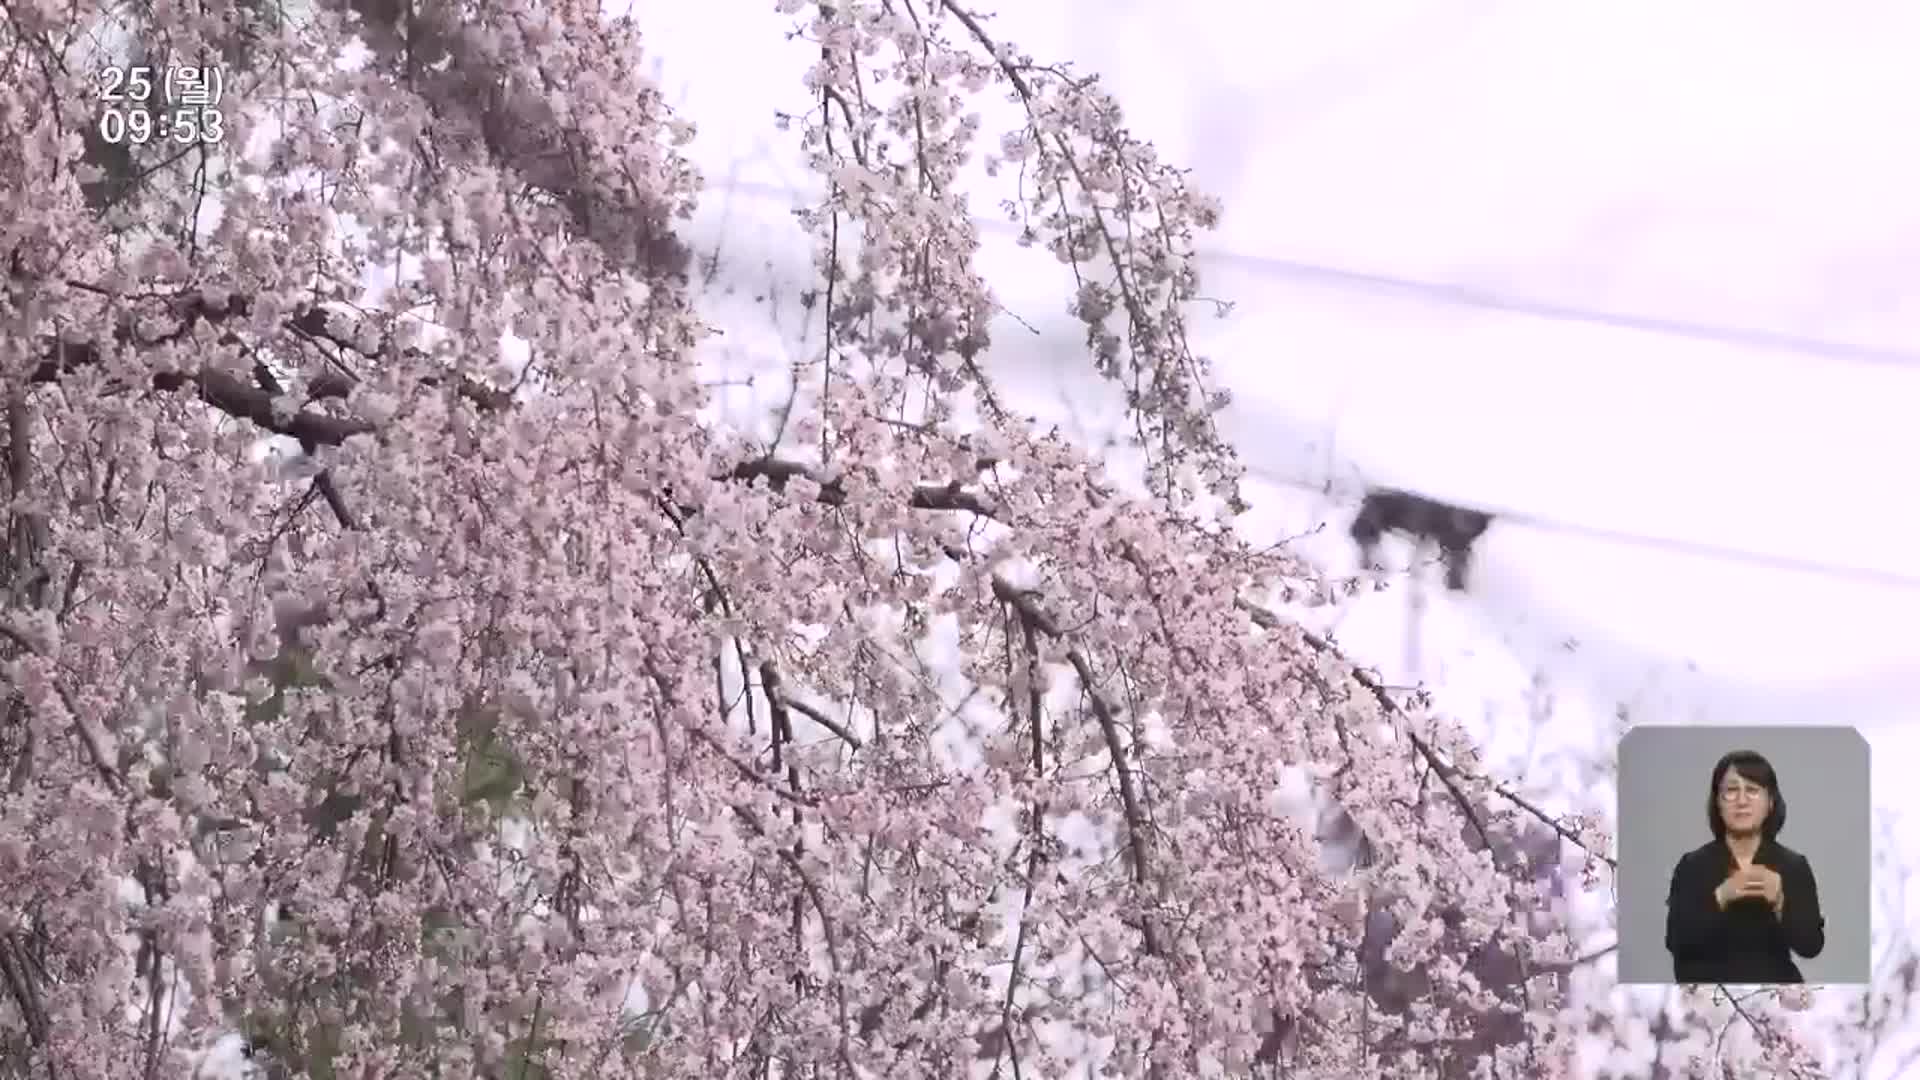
1764	882
1731	889
1750	883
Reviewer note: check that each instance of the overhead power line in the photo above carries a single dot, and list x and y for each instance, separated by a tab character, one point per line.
1718	552
1468	296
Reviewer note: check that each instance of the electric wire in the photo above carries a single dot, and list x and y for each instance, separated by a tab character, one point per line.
1698	549
1469	296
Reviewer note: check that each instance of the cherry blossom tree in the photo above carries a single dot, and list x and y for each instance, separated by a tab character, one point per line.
530	724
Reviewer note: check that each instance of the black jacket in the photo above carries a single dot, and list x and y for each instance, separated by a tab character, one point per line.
1746	943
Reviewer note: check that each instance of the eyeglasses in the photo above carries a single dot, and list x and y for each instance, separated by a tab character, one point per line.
1742	794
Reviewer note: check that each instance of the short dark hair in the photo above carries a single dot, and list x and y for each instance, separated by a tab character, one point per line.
1750	766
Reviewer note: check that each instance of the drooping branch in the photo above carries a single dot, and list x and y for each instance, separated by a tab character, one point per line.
828	927
264	408
953	496
1449	773
1144	231
1027	605
260	406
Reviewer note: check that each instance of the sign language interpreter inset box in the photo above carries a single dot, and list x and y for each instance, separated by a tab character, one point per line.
1745	855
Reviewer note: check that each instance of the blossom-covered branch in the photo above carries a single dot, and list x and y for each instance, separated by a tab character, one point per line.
1096	195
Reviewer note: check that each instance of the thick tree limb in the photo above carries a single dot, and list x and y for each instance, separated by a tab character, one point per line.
225	392
951	496
253	402
93	741
776	692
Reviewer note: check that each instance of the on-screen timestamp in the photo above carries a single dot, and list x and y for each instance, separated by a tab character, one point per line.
186	111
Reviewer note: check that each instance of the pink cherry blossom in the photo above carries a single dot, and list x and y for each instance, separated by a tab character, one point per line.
533	726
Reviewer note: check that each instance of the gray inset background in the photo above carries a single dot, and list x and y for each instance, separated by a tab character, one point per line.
1824	777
